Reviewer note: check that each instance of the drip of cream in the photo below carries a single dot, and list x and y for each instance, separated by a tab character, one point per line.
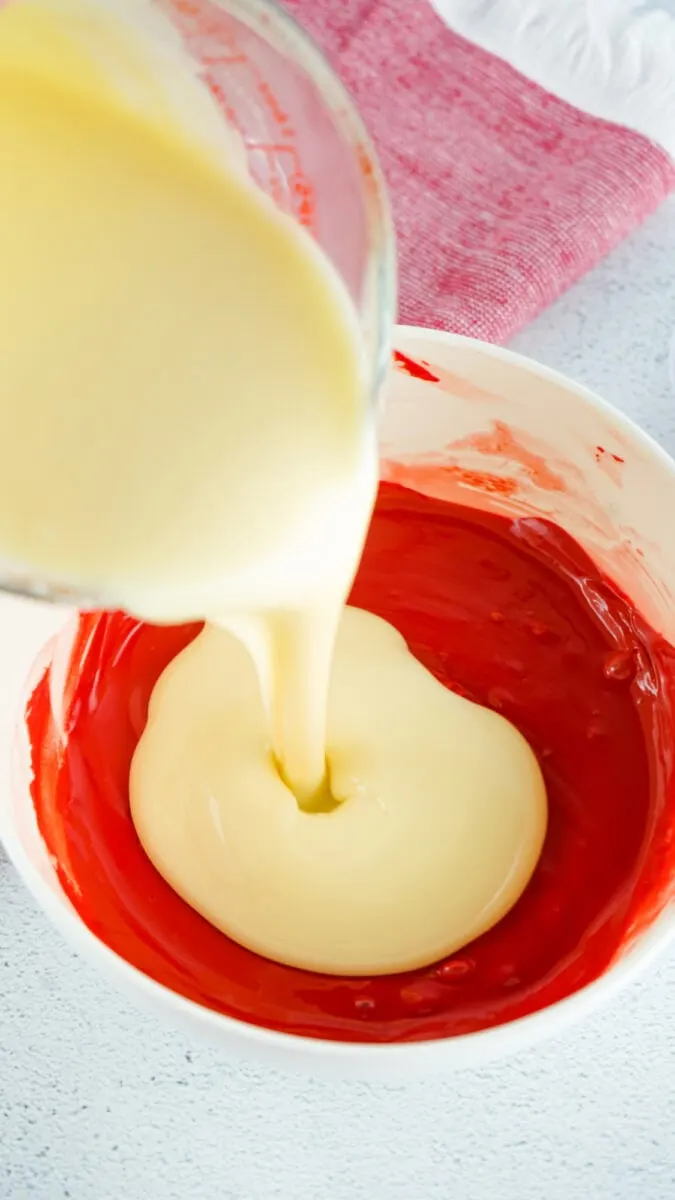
191	437
187	436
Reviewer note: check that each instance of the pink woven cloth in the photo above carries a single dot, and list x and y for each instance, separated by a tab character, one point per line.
503	195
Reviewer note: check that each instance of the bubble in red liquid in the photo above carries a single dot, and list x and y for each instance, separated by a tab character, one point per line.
424	996
364	1006
619	666
454	969
596	729
543	633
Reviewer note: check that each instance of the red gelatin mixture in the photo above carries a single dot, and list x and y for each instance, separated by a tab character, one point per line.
512	614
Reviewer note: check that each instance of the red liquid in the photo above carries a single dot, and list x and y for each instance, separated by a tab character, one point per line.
511	614
411	366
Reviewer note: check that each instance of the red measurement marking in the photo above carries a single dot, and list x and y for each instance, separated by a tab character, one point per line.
295	183
223	60
290	189
275	110
187	7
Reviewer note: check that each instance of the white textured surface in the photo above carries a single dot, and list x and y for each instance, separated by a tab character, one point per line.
611	58
99	1103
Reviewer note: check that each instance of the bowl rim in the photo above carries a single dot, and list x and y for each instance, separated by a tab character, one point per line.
467	1048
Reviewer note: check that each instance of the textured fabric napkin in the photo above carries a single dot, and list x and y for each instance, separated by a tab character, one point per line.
503	194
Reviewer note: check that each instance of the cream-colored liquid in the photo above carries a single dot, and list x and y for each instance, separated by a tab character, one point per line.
440	808
185	434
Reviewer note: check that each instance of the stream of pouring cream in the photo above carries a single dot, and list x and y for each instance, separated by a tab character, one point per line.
185	434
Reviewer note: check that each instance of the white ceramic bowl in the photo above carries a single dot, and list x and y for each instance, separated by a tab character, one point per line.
489	411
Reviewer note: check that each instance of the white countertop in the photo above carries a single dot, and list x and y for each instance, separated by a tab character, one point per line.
98	1102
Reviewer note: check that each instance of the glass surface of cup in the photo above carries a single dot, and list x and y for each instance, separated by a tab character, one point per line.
306	147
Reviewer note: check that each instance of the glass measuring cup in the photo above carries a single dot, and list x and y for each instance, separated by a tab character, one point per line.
306	147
